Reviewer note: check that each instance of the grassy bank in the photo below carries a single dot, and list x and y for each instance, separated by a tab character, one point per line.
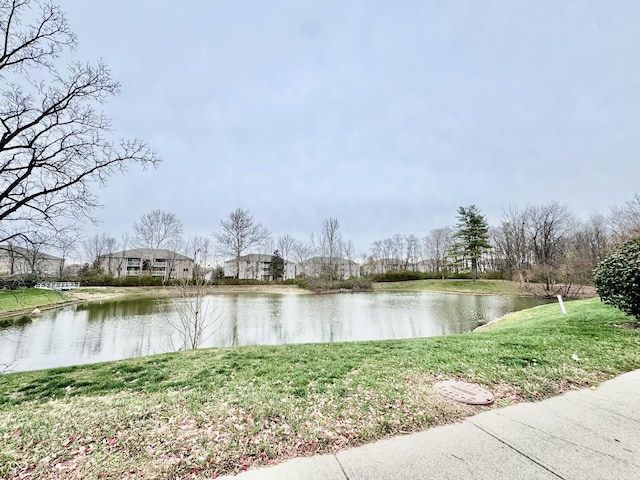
484	287
201	413
21	301
25	300
28	299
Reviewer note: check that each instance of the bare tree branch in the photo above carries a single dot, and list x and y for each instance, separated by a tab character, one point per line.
55	145
239	232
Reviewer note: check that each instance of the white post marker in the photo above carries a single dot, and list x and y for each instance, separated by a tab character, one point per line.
562	309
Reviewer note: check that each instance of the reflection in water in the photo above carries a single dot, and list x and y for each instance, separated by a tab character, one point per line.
134	328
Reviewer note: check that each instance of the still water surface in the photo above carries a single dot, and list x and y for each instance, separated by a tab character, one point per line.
133	328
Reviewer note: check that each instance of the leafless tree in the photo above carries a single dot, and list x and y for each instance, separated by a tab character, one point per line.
548	249
117	264
55	145
349	252
29	251
267	246
550	226
383	253
302	251
157	229
436	245
193	317
376	256
239	232
97	248
10	251
201	248
625	221
399	247
599	238
367	263
65	243
328	246
32	250
412	245
284	245
512	242
587	245
581	257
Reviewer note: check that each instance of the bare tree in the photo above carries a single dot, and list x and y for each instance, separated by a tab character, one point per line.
31	252
625	221
157	229
512	242
383	252
349	252
302	251
268	246
412	245
365	263
436	246
200	247
598	236
284	245
120	262
377	256
328	245
97	248
54	144
65	243
550	226
239	232
581	256
194	318
399	248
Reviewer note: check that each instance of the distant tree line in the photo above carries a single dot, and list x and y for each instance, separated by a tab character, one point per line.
546	248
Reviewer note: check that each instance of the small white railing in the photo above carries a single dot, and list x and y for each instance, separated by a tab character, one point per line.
58	285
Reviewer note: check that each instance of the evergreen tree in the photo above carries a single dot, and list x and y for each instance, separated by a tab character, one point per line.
472	237
277	266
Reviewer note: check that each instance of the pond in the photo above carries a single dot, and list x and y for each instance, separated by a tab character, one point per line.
116	330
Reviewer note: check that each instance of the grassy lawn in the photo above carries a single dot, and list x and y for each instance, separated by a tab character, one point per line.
198	414
492	287
12	300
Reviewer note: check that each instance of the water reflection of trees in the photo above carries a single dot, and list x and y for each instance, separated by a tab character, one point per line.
124	329
121	308
276	319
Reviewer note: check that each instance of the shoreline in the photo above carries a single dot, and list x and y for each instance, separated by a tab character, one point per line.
102	294
106	294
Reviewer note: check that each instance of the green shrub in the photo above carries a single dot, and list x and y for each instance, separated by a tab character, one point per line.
320	284
404	276
239	281
13	282
494	275
103	280
398	276
617	278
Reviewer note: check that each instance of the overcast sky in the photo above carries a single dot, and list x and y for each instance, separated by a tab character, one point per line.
386	115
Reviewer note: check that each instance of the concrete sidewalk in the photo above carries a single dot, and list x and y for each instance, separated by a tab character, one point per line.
580	435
